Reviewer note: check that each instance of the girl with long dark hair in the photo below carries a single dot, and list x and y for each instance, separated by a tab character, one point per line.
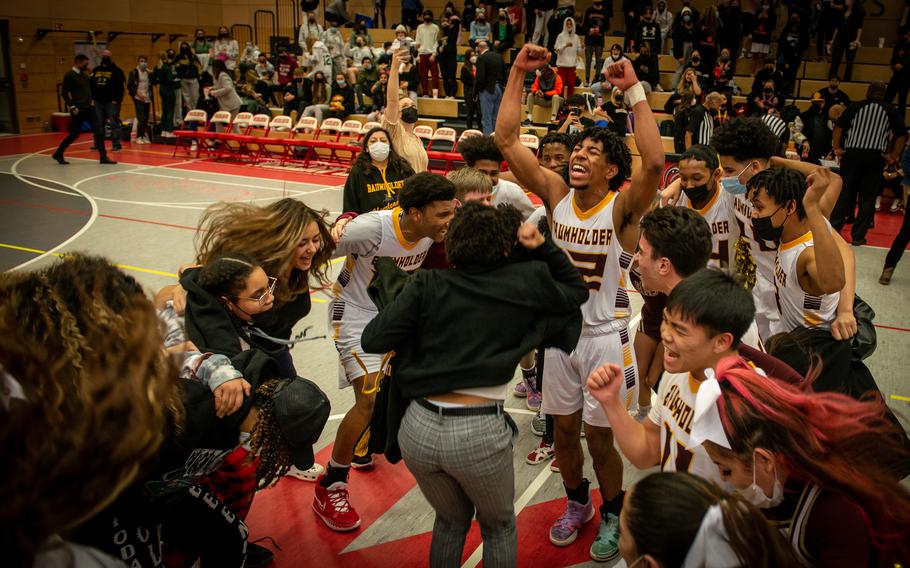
376	176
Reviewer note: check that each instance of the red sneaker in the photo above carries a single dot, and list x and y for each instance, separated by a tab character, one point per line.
333	507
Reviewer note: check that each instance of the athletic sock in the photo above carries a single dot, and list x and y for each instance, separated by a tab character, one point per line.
335	473
580	494
613	506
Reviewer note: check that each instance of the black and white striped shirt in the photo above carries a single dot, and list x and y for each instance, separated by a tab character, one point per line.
868	124
777	125
701	125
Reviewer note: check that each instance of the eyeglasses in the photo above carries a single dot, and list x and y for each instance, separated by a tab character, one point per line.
268	293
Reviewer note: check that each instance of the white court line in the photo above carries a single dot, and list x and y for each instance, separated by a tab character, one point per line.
77	234
529	493
245	185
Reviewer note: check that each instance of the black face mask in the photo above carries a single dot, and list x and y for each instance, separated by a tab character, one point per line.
409	115
106	60
697	195
763	229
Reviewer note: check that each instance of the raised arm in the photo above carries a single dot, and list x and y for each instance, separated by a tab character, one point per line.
546	184
822	270
392	108
636	200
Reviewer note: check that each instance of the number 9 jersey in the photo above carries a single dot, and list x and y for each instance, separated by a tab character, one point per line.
589	238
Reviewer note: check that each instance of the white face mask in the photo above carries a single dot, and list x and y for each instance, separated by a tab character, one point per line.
379	151
755	495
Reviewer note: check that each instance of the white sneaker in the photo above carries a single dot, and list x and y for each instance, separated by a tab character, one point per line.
306	475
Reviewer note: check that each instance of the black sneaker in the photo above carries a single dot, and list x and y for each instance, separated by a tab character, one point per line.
258	556
362	463
107	161
59	159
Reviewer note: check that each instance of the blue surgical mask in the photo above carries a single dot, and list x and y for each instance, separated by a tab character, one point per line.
732	183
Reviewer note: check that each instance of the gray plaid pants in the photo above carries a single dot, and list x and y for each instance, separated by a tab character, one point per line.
463	464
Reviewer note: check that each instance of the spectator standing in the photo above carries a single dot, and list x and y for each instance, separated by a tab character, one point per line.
165	77
139	86
707	40
77	96
337	13
899	85
701	120
200	42
448	55
862	136
794	40
399	119
631	11
309	29
488	86
468	14
762	27
831	17
226	49
427	42
468	72
815	129
543	11
503	33
833	95
596	23
730	35
107	91
647	69
223	89
547	90
664	19
564	9
903	236
189	69
684	36
480	29
377	175
648	31
847	38
409	12
334	42
567	49
286	66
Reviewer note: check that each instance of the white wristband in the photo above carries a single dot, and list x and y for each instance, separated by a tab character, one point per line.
634	95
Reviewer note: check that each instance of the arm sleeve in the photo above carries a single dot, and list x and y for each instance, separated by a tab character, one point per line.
67	89
362	236
213	370
397	322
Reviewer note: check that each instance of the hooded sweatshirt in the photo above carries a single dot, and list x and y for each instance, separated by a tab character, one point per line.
323	58
567	45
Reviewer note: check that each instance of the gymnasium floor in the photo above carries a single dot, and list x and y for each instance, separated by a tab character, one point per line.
142	214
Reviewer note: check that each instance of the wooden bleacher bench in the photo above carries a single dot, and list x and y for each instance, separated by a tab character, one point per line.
428	106
856	91
862	73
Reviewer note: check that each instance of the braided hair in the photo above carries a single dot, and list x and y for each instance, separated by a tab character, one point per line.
782	185
226	274
266	439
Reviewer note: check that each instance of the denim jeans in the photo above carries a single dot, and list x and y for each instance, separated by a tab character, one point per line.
489	108
105	111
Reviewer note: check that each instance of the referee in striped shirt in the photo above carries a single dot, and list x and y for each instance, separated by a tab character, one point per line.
869	135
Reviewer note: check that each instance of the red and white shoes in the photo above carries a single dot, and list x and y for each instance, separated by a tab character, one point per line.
332	506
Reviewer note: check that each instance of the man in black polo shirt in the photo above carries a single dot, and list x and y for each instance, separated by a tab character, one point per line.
77	95
701	121
863	134
833	95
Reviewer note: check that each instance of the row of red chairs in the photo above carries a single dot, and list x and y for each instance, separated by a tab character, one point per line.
261	138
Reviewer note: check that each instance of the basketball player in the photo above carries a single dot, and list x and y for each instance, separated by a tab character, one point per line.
425	206
699	172
481	153
808	268
598	227
704	321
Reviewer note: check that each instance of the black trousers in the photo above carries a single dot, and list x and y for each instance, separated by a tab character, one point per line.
899	244
448	63
76	119
378	13
837	53
409	18
899	86
862	173
472	110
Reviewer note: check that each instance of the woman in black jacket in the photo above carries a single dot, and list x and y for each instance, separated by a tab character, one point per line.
342	103
448	55
467	81
459	335
189	69
376	176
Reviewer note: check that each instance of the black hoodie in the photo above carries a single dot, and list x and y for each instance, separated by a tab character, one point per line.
107	83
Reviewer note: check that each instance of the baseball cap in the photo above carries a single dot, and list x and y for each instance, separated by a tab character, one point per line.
301	410
817	97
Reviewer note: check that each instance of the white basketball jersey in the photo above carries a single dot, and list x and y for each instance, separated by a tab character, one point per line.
590	240
797	308
366	238
673	413
725	231
763	252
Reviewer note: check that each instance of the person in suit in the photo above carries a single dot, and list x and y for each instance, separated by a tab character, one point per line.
488	84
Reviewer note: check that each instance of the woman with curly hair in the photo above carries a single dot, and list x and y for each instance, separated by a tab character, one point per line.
459	334
824	468
293	244
86	400
376	176
678	519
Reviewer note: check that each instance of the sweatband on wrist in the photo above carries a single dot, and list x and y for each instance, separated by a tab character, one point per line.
634	95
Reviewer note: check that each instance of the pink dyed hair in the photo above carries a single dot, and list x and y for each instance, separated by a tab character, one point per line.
844	445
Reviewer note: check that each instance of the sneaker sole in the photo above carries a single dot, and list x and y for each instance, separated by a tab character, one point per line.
554	467
528	404
363	467
333	526
596	558
574	535
548	458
